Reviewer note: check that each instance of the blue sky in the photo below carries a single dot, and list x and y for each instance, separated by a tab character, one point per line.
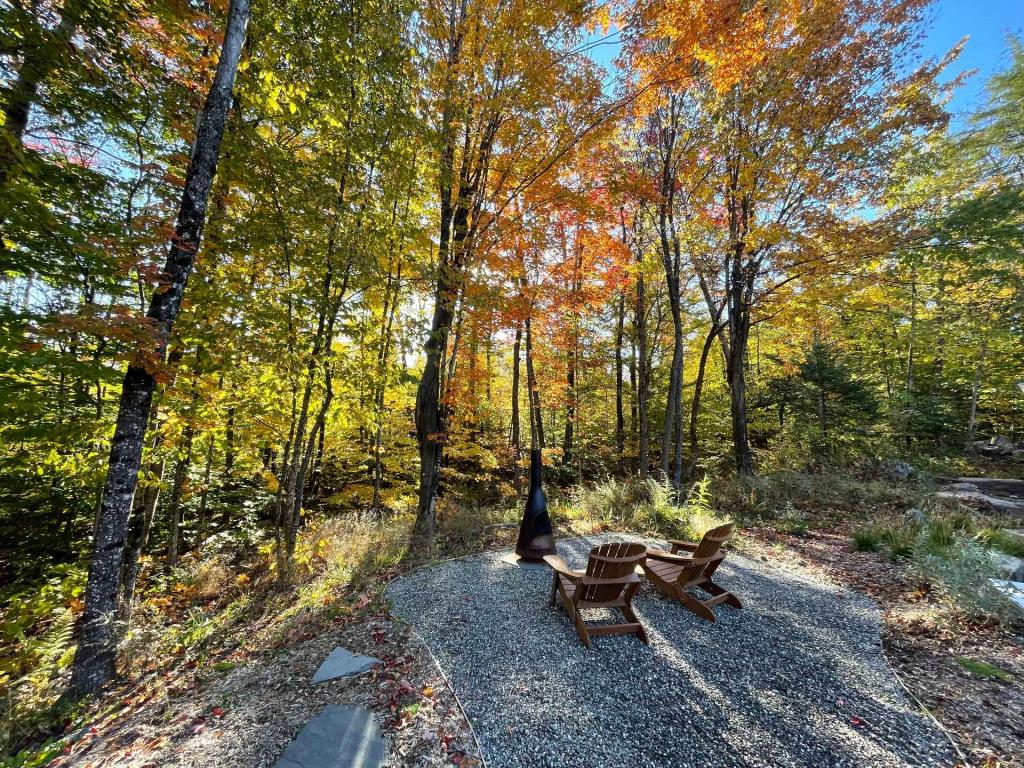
986	23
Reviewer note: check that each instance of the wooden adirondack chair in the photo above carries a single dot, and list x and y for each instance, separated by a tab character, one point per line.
674	574
610	581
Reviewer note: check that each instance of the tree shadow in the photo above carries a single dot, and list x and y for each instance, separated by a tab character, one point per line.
794	678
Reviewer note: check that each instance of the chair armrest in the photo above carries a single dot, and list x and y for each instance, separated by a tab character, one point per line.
594	581
668	557
560	566
676	544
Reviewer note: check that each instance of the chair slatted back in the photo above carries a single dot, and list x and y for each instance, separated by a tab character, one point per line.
713	541
611	561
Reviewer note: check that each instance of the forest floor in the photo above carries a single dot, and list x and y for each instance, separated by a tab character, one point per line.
228	715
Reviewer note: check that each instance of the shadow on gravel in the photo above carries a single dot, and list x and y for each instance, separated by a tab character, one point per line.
795	678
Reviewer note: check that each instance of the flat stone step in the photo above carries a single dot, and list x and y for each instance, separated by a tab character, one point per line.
338	737
993	486
342	663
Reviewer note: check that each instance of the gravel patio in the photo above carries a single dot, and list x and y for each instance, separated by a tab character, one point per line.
795	678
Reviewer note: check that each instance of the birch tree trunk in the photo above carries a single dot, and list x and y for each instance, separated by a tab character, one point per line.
95	657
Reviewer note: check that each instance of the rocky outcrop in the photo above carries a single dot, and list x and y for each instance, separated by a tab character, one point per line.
995	496
999	446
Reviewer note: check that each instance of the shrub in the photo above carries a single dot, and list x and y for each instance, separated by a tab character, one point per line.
899	539
793	521
960	572
650	506
867	539
940	533
696	516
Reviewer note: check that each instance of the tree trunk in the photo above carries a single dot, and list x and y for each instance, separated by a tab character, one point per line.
975	389
536	415
95	656
141	523
736	372
516	440
672	400
620	416
570	410
177	488
698	388
203	523
430	421
913	334
643	374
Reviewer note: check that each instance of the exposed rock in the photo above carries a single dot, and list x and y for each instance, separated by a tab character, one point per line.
997	446
1002	445
1013	590
983	503
338	737
897	471
1008	566
341	663
915	515
964	487
993	486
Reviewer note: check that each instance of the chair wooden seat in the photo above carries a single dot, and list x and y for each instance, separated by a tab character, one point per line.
610	581
674	574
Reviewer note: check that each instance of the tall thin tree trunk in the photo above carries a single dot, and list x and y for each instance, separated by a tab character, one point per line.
143	512
913	334
698	388
536	415
203	522
643	375
516	440
570	410
620	416
174	506
976	389
736	372
431	422
95	656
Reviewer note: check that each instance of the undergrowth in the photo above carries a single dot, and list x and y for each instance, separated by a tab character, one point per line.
952	553
644	506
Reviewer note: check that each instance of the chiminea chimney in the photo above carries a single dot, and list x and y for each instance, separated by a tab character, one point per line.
535	538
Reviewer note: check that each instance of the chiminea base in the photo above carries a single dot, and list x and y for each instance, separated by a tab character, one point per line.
538	547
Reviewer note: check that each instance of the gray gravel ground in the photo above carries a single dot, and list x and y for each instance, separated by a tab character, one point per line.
796	677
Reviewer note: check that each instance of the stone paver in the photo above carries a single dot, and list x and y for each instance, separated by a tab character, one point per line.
342	663
338	737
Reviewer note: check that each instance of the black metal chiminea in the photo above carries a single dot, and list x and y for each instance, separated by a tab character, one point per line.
535	538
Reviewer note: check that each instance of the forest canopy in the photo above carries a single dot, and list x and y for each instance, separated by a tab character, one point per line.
261	264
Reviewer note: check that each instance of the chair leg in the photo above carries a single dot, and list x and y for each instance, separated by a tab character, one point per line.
694	605
716	590
554	588
627	611
581	628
